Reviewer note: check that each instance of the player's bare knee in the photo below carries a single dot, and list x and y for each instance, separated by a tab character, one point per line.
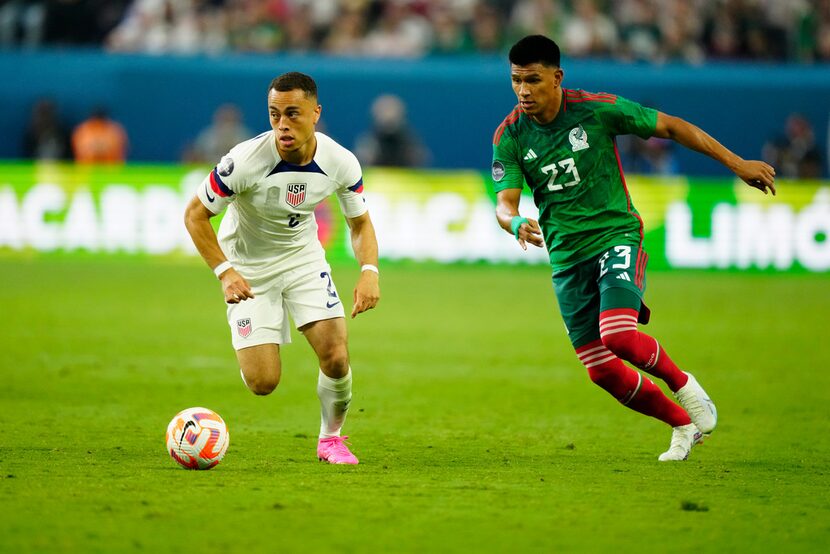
261	382
262	385
334	361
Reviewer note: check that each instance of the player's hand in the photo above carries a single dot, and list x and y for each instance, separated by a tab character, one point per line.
759	175
235	286
530	233
366	292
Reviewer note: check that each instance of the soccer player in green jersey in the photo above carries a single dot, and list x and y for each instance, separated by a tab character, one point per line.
561	142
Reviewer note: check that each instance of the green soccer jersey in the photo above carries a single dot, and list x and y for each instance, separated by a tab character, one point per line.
573	170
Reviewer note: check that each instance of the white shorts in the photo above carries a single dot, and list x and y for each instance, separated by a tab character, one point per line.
307	293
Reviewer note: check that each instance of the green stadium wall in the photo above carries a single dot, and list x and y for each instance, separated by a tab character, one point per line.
442	216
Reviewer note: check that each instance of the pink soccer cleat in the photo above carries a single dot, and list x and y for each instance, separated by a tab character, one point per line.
334	451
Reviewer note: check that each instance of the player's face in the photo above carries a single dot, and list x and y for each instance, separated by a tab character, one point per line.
537	88
293	116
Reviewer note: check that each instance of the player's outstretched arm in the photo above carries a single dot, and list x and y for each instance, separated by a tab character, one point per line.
507	211
365	246
755	173
197	221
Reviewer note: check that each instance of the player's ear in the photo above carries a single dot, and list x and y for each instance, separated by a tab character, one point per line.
317	111
558	76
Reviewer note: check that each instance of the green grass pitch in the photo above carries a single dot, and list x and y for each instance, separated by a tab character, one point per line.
477	429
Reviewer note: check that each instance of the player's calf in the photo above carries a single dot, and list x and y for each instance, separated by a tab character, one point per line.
607	371
618	332
629	387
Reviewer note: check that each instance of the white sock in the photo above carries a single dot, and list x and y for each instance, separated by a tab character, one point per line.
334	395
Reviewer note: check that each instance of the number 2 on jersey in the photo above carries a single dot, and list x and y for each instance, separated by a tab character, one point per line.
569	165
293	220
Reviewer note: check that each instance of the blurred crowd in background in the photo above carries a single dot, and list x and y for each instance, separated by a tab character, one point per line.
691	31
651	30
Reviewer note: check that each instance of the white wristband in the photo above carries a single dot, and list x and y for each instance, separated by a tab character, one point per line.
369	267
222	268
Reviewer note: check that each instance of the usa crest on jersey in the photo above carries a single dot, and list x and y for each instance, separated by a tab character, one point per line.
295	194
243	327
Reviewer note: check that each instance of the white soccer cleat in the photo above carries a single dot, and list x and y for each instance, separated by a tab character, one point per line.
683	438
698	405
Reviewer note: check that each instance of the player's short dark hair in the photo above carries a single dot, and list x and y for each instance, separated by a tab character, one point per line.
292	81
535	49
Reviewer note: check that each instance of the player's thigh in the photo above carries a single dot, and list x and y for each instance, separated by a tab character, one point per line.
310	295
622	277
262	319
579	301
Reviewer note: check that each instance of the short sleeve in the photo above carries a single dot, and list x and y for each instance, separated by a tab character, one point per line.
350	189
505	170
625	117
223	183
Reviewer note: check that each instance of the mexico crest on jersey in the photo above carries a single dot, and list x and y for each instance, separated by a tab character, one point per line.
295	194
243	327
578	138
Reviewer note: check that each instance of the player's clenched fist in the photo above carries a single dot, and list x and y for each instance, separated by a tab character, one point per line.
530	232
235	286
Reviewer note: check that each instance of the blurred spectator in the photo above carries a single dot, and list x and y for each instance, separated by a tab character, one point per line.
399	33
254	27
226	131
390	142
300	35
537	17
22	21
640	33
795	155
46	137
588	32
448	36
486	30
652	30
347	32
169	26
99	139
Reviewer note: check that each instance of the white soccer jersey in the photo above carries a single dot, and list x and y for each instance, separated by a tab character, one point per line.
270	219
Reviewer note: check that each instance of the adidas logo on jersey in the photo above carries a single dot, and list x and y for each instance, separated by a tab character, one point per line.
531	155
624	277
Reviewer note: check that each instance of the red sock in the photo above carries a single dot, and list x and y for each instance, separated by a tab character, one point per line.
628	386
618	329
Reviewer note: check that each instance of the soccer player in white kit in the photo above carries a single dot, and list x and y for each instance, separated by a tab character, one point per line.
269	259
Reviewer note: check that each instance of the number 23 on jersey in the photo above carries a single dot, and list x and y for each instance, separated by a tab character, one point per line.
569	172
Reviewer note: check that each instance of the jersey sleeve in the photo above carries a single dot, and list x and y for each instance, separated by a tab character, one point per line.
625	117
505	171
225	181
350	189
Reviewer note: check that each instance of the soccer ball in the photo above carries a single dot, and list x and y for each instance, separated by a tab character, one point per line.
197	438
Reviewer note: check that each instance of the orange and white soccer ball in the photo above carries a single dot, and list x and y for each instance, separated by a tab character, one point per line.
197	438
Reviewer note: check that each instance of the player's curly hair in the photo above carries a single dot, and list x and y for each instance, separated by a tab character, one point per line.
292	81
535	49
